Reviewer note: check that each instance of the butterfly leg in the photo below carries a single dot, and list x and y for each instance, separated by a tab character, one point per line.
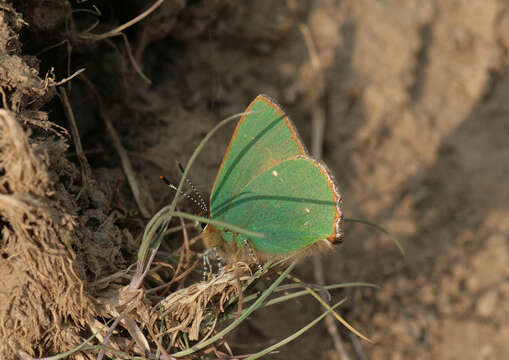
219	259
252	255
207	267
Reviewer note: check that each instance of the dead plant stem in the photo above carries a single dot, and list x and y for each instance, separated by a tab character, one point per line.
86	172
318	129
122	153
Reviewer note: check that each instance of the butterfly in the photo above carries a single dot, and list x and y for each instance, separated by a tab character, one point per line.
269	184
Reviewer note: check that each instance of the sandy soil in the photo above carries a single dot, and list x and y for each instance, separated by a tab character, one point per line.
415	100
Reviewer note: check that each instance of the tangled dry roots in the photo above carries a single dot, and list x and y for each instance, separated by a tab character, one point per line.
41	292
185	310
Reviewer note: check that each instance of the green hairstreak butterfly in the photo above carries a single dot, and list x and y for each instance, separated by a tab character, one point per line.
268	183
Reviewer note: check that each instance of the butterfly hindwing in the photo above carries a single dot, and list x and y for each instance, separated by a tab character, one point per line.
293	204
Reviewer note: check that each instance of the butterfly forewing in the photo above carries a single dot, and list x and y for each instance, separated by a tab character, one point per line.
262	139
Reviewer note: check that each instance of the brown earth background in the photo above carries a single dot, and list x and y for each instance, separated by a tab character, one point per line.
415	100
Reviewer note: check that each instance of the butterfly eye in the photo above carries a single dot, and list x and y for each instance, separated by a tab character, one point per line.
338	240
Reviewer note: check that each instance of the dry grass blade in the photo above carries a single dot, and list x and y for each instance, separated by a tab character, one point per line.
131	22
122	153
318	129
85	167
69	78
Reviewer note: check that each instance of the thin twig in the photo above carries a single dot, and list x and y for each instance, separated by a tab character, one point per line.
68	47
178	278
130	57
310	44
191	242
358	347
131	22
4	99
330	323
159	346
85	167
133	61
182	278
63	81
122	153
158	265
212	327
177	229
129	307
186	240
60	43
118	32
104	282
240	299
177	271
318	129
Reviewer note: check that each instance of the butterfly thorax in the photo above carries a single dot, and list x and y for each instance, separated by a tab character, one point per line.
213	237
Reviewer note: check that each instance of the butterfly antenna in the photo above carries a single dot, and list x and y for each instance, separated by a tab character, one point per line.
173	187
203	204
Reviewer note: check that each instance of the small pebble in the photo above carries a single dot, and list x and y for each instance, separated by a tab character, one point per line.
487	303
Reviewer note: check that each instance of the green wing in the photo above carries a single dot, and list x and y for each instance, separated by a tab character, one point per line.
261	140
294	203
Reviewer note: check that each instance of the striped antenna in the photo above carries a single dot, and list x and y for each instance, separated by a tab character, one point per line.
173	187
203	204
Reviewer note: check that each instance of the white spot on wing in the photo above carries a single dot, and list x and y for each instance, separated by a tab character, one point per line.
274	172
307	210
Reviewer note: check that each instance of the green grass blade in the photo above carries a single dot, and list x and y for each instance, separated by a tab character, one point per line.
294	335
297	294
233	228
380	228
157	221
